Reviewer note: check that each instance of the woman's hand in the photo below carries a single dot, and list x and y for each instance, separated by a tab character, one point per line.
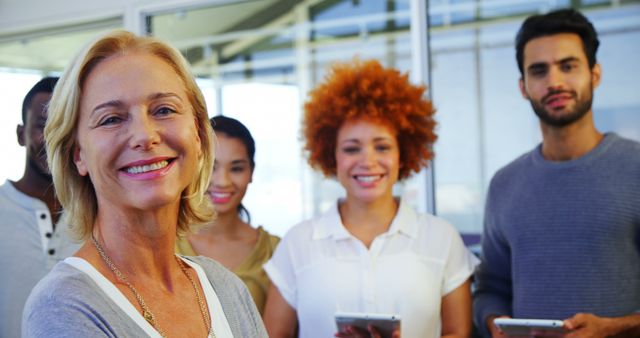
279	317
456	312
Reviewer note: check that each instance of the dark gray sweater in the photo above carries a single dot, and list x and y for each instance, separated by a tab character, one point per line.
68	303
563	237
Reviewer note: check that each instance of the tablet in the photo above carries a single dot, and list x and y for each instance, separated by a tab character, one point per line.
527	327
384	323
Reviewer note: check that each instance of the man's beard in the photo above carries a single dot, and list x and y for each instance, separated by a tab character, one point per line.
581	108
36	168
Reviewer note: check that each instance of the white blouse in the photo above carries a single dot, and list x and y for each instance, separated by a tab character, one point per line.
218	319
320	269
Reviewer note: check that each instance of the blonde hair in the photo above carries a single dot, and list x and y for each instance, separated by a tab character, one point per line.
75	192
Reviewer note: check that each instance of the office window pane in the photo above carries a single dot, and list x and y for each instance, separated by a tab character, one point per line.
257	60
272	116
24	59
458	185
484	121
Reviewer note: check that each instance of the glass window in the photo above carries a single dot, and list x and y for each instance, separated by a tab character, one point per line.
24	59
258	59
272	116
484	123
14	85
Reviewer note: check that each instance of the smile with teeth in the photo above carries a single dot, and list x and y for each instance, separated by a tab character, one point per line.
139	169
220	197
367	178
220	194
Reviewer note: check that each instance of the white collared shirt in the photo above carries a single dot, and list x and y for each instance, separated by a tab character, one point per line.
320	269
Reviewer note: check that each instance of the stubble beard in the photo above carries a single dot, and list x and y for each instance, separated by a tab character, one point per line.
581	108
35	166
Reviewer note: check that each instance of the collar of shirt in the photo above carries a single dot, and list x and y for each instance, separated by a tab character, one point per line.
10	192
330	224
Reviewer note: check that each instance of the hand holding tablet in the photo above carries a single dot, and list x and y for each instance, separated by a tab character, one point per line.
515	327
385	324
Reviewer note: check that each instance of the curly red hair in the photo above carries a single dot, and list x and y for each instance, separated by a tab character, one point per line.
367	90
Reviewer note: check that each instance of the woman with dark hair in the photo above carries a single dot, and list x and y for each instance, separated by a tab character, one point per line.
230	239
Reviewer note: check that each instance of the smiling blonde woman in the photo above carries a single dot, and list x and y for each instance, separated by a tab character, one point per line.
131	150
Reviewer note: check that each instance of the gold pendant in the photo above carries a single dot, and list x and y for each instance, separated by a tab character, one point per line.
148	316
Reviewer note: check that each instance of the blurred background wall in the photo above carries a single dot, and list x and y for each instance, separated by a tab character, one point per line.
256	60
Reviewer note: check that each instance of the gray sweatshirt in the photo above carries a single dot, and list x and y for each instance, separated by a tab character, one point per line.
68	303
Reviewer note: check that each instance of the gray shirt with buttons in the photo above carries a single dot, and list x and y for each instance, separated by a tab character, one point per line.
29	247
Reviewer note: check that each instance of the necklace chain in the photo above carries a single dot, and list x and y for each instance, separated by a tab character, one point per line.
146	312
203	307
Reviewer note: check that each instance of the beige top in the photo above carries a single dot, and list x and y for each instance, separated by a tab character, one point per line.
250	271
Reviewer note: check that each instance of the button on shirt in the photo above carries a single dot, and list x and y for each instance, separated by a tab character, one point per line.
320	269
29	247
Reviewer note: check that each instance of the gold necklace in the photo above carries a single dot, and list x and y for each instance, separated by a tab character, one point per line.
146	313
203	309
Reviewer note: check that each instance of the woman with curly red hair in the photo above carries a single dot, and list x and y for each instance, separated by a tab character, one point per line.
369	127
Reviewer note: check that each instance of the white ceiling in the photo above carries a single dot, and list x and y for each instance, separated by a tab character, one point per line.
52	49
48	53
207	21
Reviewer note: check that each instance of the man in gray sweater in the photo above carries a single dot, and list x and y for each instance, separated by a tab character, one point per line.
562	225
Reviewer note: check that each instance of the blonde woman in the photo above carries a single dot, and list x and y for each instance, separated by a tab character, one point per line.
130	150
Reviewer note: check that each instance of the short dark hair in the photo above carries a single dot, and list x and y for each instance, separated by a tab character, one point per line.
45	85
235	129
556	22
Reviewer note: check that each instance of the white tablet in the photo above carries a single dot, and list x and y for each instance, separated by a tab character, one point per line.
526	327
384	323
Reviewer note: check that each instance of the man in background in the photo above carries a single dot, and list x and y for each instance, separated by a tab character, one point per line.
562	224
30	241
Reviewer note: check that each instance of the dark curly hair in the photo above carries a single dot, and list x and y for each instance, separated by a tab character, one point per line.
366	89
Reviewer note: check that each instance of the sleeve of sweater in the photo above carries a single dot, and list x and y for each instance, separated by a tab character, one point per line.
250	322
493	292
59	314
238	305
